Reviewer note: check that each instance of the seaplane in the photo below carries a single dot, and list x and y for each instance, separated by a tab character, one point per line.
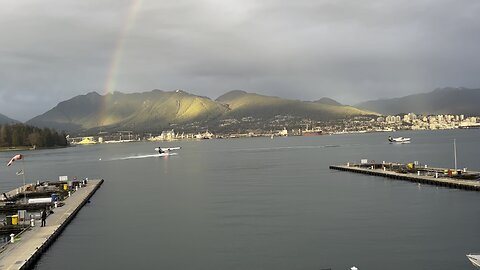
166	151
398	139
474	259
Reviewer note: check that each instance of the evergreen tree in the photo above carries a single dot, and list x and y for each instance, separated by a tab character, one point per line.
28	136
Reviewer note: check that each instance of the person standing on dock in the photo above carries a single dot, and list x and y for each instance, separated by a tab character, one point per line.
44	217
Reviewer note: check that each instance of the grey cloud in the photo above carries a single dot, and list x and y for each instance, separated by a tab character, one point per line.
305	49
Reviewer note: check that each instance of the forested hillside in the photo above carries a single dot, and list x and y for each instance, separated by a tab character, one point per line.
22	135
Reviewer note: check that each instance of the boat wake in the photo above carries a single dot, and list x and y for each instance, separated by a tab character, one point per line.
145	156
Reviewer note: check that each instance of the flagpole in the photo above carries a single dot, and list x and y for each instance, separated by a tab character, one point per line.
23	174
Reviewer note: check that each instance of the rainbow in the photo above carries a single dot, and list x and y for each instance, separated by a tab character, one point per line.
116	58
117	52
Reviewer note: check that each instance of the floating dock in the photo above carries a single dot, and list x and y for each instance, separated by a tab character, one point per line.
430	176
23	253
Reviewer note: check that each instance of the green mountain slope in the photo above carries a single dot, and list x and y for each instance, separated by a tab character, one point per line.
139	111
156	110
440	101
242	104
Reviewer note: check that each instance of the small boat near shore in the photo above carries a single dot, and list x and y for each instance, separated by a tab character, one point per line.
398	139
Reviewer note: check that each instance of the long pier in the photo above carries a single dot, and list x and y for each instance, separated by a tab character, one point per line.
23	253
434	179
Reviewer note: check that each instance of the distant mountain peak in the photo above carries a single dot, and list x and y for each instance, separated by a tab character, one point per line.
93	93
231	95
328	101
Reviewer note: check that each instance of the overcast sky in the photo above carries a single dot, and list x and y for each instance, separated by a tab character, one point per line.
349	50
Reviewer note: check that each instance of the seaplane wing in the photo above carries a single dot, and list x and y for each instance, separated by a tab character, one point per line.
399	139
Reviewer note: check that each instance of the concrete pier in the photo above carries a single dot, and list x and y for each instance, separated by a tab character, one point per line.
23	253
411	177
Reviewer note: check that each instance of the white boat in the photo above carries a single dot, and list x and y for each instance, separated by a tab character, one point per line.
475	259
398	139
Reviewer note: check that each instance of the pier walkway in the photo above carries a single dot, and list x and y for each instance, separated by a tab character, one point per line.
33	242
423	179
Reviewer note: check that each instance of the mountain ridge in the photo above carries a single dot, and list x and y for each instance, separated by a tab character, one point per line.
120	110
157	109
244	104
447	100
7	120
329	101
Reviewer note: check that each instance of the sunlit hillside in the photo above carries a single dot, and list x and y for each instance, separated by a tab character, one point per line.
242	104
158	109
134	111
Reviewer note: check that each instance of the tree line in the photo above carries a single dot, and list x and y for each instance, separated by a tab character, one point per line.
23	135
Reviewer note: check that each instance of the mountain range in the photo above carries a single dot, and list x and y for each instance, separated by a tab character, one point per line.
440	101
158	109
243	104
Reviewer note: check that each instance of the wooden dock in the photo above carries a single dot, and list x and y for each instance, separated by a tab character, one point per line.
34	241
411	177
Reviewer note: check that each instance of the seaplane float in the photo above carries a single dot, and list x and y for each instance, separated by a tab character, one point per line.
166	151
398	139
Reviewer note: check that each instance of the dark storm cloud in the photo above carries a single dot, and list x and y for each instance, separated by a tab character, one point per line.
348	50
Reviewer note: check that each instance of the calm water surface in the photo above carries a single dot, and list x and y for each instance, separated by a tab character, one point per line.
262	204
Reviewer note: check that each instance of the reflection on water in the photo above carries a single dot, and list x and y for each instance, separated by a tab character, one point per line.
263	204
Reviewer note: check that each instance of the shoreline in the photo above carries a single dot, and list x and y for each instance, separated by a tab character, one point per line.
256	136
24	148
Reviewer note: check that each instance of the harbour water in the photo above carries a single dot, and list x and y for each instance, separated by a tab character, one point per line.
262	204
